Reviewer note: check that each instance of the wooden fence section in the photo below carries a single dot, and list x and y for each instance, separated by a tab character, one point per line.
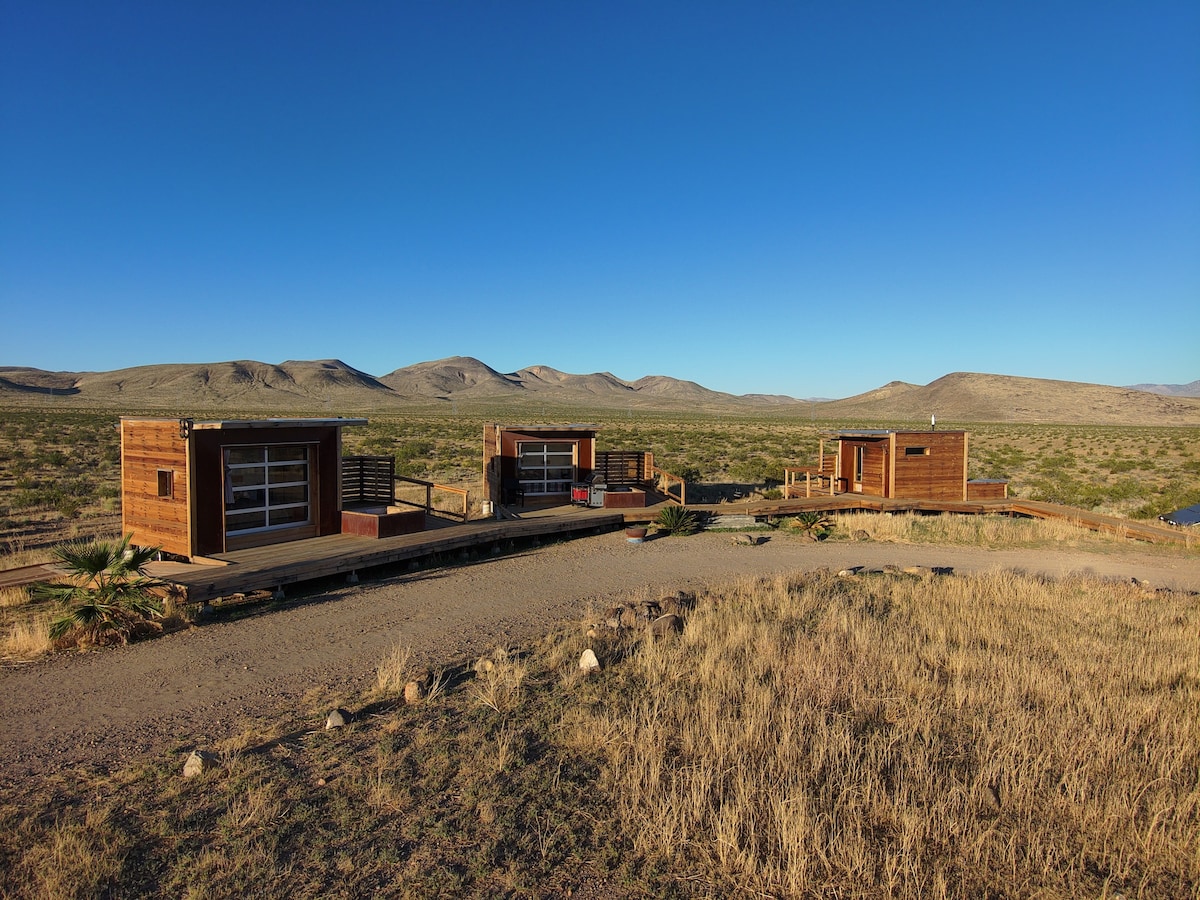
274	567
368	479
623	467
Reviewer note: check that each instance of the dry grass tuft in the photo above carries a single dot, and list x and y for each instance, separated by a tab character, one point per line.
393	672
14	596
498	683
28	637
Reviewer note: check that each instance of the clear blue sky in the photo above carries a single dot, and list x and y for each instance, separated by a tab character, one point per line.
808	198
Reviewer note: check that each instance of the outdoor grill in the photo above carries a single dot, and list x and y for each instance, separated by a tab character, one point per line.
589	493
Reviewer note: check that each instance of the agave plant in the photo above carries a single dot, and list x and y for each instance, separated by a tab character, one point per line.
106	593
676	520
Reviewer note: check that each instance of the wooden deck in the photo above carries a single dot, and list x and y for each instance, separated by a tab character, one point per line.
278	565
842	503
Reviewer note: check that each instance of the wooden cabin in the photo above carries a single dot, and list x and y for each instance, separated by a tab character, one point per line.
196	488
902	465
552	464
536	462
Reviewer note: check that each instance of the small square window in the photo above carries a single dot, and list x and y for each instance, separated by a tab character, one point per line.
916	451
166	482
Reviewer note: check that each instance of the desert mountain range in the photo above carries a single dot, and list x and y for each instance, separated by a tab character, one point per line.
332	387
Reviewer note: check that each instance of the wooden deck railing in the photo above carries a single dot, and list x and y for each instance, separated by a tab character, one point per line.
430	487
667	480
792	481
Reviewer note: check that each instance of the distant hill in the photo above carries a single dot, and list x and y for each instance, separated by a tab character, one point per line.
975	397
333	387
1191	389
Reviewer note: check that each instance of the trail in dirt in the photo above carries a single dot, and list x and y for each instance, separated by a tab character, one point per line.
193	688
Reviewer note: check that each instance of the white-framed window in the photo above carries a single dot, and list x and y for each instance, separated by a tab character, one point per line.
860	456
267	487
545	467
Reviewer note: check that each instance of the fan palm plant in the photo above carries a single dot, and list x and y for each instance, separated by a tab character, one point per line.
106	594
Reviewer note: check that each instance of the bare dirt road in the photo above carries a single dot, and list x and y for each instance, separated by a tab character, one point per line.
113	707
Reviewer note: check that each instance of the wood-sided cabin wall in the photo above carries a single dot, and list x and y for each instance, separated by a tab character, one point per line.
209	483
929	465
155	488
491	461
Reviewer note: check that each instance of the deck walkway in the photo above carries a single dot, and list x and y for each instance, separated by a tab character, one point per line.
841	503
273	567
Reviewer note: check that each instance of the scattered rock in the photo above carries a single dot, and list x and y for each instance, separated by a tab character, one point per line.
338	718
588	662
648	611
891	569
666	625
747	540
846	573
200	761
917	570
861	535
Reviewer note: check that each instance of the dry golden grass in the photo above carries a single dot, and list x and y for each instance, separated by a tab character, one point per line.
393	672
14	597
28	637
962	736
498	682
991	531
996	735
